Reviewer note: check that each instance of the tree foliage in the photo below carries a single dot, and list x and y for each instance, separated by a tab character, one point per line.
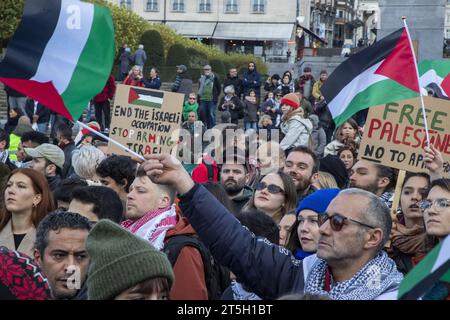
176	55
154	46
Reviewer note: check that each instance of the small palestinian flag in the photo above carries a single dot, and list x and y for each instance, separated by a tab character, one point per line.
433	268
435	75
382	73
145	98
61	54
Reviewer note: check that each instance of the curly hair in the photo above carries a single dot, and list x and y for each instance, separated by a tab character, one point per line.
118	168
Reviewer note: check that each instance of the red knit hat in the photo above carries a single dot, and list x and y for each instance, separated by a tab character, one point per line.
93	125
291	99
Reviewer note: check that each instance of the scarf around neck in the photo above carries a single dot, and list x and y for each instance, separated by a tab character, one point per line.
409	240
153	226
378	276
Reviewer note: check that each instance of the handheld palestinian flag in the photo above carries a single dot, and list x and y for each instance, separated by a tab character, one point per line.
382	73
145	98
435	75
61	54
433	268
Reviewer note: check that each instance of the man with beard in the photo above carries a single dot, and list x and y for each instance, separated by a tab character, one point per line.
375	178
233	177
302	166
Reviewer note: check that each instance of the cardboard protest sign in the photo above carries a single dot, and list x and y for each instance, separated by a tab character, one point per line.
143	120
394	133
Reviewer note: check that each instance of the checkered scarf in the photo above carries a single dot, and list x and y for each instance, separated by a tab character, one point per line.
378	276
153	225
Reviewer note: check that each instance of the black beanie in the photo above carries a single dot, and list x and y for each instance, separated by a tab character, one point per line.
334	166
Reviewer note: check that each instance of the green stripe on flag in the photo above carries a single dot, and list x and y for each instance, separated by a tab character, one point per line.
420	272
94	64
381	92
441	67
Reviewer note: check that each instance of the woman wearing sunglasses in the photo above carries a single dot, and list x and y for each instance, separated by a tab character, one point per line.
304	234
436	214
409	242
274	195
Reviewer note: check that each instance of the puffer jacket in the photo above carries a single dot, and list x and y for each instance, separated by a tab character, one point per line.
297	132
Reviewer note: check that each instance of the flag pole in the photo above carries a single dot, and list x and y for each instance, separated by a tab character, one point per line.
121	146
418	81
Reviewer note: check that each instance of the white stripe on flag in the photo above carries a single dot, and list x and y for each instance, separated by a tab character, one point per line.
150	98
64	48
357	85
444	254
431	77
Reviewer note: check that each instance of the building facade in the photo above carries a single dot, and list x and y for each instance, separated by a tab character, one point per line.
323	16
367	11
345	22
260	27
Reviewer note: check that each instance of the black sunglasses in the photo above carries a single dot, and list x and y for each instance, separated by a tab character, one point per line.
337	221
272	188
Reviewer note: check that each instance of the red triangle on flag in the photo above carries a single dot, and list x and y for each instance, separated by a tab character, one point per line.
399	64
133	95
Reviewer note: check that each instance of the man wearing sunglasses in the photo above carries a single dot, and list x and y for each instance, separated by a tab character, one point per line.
302	166
375	178
350	263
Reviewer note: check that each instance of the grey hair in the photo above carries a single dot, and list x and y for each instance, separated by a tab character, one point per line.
141	46
377	214
229	89
85	161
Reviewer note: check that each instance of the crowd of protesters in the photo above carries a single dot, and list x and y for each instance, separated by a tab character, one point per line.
300	216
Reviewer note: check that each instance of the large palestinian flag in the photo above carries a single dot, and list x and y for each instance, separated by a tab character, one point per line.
384	72
61	54
145	98
433	268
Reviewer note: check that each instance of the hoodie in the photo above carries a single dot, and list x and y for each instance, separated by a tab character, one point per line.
297	131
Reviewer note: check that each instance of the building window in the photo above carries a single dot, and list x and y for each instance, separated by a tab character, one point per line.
151	5
231	6
204	6
258	6
126	4
178	5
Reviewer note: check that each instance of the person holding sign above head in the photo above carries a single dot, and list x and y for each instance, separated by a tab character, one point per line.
134	77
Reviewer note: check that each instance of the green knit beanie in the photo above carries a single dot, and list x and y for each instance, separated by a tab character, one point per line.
120	260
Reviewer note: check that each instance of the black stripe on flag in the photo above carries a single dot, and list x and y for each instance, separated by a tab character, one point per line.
157	94
358	63
26	47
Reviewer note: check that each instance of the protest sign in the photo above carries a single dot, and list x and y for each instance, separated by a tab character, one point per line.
394	133
144	119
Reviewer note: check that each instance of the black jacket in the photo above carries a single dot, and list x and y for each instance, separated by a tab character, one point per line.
236	83
236	113
42	111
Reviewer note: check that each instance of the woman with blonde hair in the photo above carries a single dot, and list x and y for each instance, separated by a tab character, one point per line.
27	200
134	77
324	180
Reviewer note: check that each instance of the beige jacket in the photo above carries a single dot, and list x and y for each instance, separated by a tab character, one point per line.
27	244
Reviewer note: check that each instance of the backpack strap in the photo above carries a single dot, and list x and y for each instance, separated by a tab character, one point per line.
173	247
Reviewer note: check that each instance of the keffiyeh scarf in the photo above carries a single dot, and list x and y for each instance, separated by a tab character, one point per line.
153	226
375	278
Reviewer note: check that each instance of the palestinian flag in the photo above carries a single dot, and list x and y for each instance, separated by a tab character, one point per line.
382	73
61	54
435	75
433	268
145	98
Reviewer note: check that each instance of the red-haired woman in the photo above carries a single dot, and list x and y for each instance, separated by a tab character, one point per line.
27	201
